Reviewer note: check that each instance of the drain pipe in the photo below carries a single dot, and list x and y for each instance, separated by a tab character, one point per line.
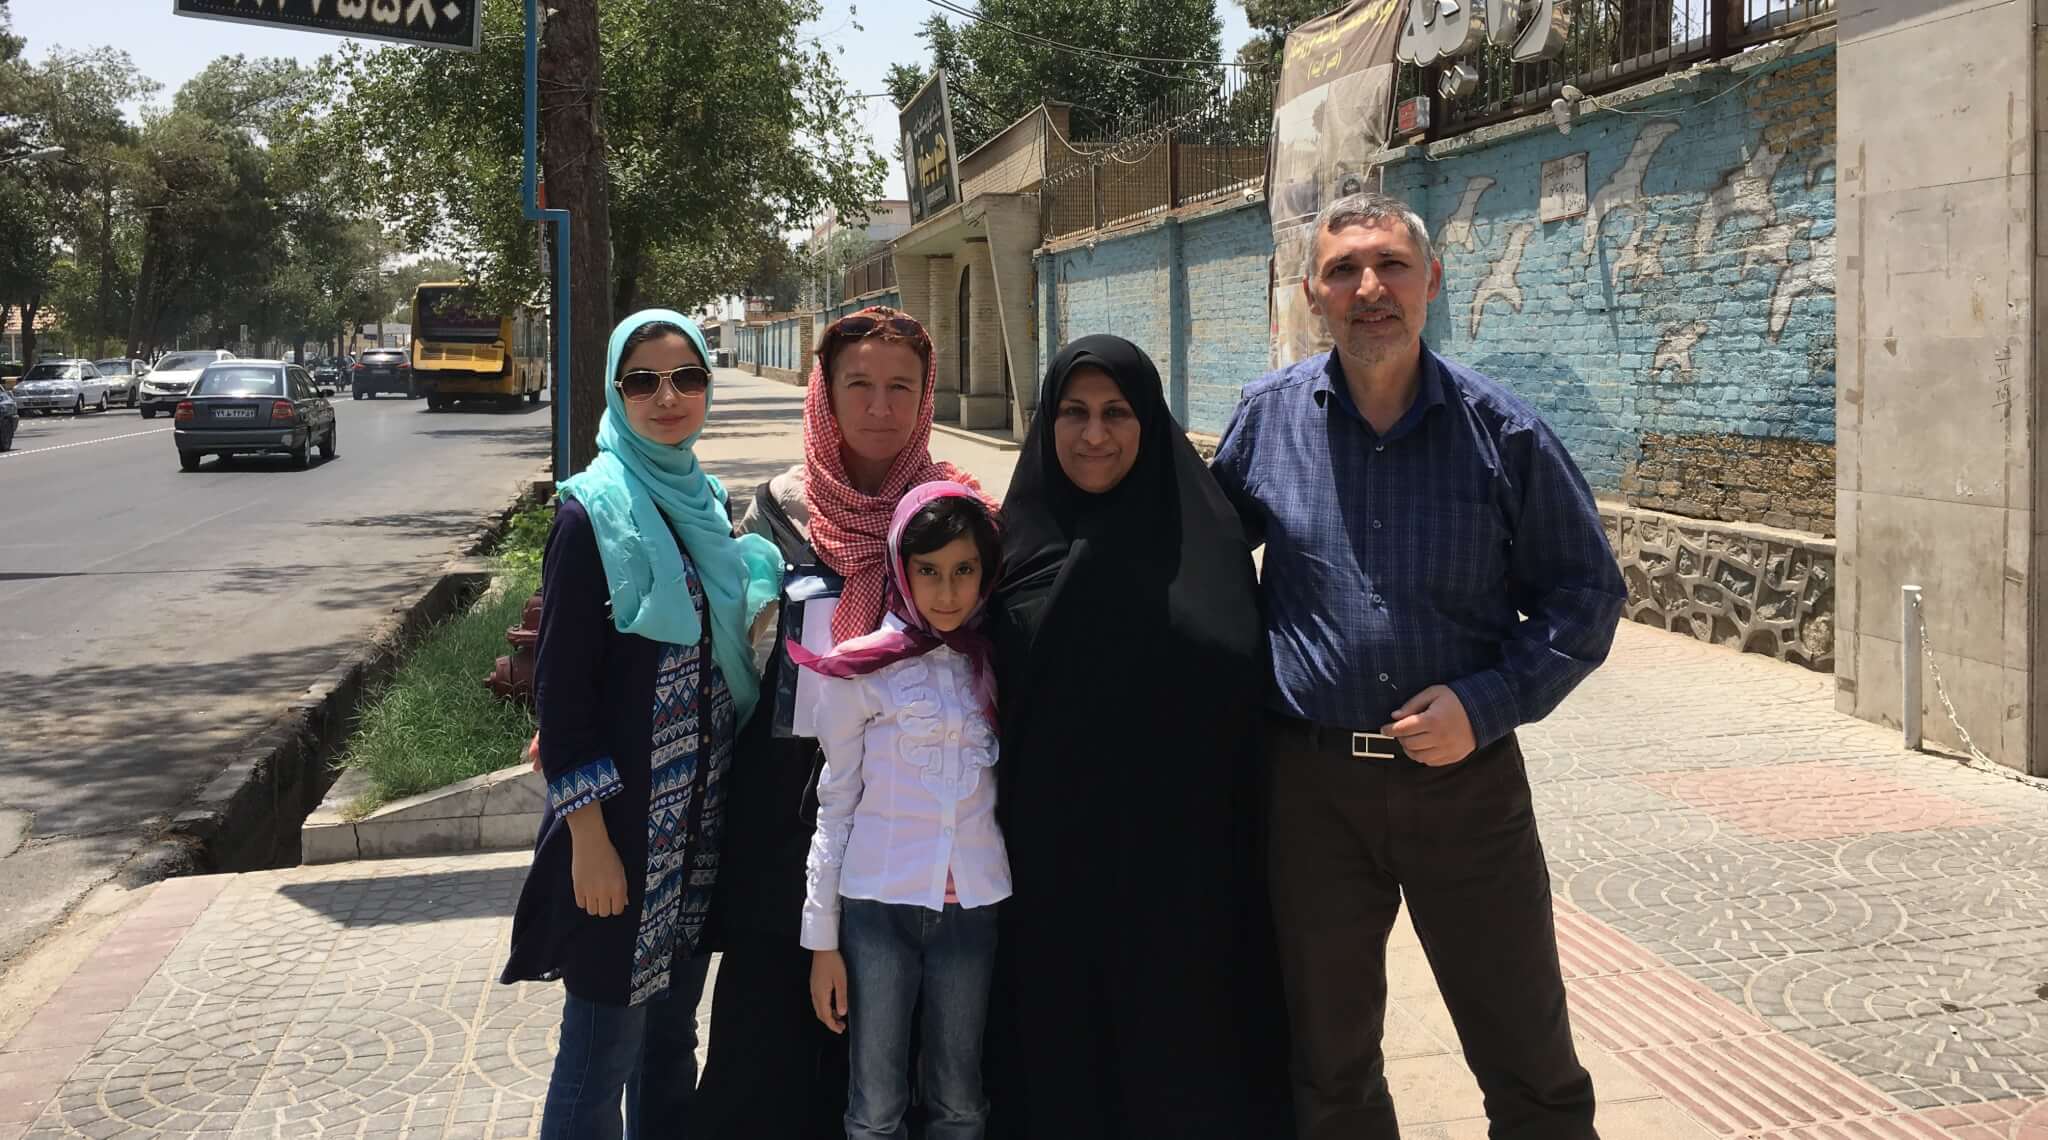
1910	657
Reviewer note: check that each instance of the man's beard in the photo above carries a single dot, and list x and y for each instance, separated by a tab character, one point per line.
1371	346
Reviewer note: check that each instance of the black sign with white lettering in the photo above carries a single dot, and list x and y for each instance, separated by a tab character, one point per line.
426	23
928	159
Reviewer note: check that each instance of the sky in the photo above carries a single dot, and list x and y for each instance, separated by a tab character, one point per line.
867	35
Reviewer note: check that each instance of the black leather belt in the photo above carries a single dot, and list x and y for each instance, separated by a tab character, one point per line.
1342	741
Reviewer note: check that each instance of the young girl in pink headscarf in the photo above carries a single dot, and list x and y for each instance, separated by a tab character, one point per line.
907	862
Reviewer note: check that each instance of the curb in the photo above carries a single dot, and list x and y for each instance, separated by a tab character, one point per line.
247	817
497	811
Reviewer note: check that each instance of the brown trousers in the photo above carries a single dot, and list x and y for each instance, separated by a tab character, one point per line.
1350	840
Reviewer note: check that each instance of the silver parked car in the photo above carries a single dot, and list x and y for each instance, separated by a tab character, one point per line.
62	386
172	377
125	376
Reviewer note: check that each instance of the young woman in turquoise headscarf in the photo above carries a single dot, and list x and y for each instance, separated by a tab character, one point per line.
643	673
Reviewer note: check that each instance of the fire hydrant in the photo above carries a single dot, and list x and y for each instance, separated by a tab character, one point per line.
511	677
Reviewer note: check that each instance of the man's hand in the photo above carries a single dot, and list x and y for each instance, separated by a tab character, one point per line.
828	988
1433	728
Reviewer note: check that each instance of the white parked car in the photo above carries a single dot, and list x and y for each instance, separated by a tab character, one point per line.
62	386
124	376
172	377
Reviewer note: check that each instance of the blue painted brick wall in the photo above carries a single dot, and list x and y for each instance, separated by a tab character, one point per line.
1695	317
1226	258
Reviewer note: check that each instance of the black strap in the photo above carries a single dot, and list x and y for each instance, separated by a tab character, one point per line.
782	529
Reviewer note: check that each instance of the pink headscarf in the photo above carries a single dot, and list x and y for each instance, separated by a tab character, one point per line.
865	654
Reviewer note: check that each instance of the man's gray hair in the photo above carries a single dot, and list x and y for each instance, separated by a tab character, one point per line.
1367	209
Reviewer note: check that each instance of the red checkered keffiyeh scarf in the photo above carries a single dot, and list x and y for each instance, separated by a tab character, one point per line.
850	529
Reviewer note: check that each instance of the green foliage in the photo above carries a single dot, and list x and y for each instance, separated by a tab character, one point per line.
720	135
998	68
436	724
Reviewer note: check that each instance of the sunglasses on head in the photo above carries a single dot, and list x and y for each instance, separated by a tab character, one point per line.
860	325
689	381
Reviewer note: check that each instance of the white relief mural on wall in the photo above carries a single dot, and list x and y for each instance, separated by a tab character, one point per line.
1745	190
1675	350
1642	254
1500	283
1457	231
1625	186
1816	274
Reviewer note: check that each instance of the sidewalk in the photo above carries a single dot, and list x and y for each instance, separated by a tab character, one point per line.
1774	923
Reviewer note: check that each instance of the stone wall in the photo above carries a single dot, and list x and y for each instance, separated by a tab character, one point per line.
1785	483
1753	589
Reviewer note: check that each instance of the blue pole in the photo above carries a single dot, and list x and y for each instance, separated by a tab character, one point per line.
530	189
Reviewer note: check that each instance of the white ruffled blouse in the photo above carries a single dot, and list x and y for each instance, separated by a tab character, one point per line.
906	794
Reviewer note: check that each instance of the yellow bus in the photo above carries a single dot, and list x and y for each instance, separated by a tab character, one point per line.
462	350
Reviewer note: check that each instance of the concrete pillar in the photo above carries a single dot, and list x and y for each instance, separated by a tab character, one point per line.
1012	225
1935	386
983	404
943	286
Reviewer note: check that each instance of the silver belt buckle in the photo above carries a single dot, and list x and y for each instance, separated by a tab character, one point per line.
1362	746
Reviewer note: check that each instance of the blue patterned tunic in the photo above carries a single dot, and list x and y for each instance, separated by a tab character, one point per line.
645	729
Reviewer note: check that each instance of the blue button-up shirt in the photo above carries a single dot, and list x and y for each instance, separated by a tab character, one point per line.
1461	548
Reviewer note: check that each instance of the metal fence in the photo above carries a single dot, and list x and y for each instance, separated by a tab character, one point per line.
871	274
1205	141
1209	141
1610	44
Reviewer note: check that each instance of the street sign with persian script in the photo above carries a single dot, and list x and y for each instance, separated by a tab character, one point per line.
454	24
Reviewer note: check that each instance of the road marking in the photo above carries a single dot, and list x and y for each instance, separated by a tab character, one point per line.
82	443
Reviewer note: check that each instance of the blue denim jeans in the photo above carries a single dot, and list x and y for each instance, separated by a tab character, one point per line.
895	953
648	1052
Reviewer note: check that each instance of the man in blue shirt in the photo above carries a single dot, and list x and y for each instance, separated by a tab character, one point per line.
1435	574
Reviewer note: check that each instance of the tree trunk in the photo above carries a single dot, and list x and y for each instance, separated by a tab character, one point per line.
139	323
28	328
626	298
573	164
102	326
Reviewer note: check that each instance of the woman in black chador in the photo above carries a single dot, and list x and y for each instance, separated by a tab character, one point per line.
1137	994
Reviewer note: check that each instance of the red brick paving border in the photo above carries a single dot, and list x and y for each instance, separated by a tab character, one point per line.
1732	1072
36	1061
1823	800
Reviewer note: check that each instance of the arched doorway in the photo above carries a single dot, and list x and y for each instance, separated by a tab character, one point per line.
965	318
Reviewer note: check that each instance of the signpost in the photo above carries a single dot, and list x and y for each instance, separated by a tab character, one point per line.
424	23
929	160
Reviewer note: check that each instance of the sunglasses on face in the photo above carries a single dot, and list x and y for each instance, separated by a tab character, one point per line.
689	381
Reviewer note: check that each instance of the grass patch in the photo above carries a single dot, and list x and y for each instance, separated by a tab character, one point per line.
434	723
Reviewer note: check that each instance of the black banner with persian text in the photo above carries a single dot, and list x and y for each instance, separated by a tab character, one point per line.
454	24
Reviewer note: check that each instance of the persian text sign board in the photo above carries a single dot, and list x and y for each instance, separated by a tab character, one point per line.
929	161
456	24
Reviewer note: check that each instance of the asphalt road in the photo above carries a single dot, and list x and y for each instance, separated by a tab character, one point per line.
152	620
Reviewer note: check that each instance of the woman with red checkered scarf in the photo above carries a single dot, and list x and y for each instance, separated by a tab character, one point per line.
774	1070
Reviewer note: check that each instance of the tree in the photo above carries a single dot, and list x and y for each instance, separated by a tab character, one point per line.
714	141
1003	64
72	101
1273	19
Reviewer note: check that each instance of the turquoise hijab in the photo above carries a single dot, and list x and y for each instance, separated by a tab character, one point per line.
629	489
